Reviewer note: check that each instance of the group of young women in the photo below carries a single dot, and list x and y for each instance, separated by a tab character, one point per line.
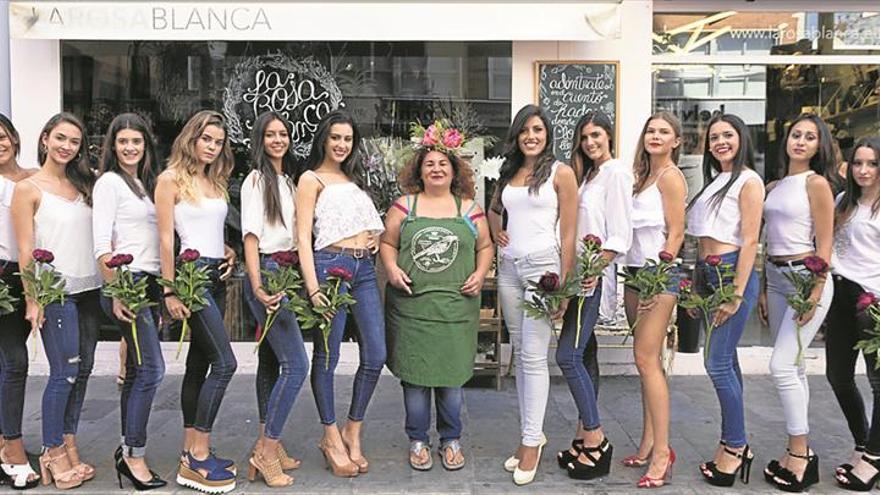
436	247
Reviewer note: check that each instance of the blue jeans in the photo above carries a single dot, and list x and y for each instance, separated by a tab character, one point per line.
70	334
722	365
14	331
285	349
370	318
417	401
201	393
141	380
571	359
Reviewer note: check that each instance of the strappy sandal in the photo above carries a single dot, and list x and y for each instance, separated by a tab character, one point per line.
64	480
787	481
416	447
287	462
599	457
271	471
21	476
448	465
86	471
850	481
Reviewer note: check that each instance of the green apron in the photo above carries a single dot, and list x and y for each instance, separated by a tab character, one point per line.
432	334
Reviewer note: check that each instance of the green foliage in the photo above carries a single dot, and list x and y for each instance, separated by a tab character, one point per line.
7	300
286	280
871	345
133	295
42	284
708	304
321	316
544	304
189	285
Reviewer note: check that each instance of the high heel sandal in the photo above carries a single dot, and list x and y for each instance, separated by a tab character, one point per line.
635	461
18	476
122	469
649	482
49	471
563	457
349	470
361	462
720	478
271	471
842	468
787	481
86	470
601	463
854	483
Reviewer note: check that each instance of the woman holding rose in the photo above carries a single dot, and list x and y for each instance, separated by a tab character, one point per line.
124	222
437	250
856	277
191	199
537	193
604	210
659	198
338	218
268	226
52	212
725	216
14	328
799	218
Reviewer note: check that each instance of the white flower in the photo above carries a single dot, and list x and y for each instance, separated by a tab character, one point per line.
491	167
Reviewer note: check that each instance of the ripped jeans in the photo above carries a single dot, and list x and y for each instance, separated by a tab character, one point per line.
70	334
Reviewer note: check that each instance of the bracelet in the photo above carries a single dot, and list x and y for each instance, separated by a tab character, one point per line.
166	295
313	294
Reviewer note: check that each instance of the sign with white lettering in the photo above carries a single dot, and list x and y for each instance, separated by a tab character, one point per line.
302	90
568	90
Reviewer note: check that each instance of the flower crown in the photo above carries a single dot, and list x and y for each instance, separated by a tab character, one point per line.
440	136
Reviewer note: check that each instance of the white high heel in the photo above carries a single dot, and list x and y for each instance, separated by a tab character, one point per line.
511	463
522	477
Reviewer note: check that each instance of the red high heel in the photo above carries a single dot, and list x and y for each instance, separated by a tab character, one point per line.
649	482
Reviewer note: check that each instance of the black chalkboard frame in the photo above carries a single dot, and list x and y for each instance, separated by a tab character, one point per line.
616	63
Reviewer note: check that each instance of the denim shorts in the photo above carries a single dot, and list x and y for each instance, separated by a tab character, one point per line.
675	277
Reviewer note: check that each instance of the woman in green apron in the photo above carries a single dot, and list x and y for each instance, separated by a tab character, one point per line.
436	250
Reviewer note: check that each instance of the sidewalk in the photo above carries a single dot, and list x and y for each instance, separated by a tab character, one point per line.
491	424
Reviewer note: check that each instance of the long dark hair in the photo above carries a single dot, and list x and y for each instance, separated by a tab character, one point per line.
11	131
148	168
824	162
580	162
642	160
351	165
261	163
77	170
744	158
514	157
852	191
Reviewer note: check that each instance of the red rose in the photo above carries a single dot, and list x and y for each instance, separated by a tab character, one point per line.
549	282
713	260
865	301
43	256
340	273
666	256
816	265
285	258
593	239
128	259
685	285
119	260
189	255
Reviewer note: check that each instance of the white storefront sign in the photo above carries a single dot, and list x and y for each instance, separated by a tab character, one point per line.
351	21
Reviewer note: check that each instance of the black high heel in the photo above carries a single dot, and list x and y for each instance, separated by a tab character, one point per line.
565	456
720	478
787	481
772	467
601	462
855	484
122	469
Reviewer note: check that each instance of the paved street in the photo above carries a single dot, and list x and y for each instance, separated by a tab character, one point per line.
491	420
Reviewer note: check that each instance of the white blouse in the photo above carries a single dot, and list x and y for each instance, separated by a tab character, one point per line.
124	223
856	249
272	236
724	223
8	244
605	207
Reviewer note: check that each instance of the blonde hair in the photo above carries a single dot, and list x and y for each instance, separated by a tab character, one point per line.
184	162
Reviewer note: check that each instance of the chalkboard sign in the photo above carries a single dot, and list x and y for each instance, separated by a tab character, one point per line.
566	90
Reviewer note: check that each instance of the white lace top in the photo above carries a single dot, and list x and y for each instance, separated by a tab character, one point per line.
343	210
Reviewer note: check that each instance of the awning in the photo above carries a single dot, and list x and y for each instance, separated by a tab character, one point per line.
315	20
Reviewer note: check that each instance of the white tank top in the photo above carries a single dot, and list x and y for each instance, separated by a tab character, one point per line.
724	222
649	224
8	244
857	247
531	218
787	216
343	210
200	225
65	228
